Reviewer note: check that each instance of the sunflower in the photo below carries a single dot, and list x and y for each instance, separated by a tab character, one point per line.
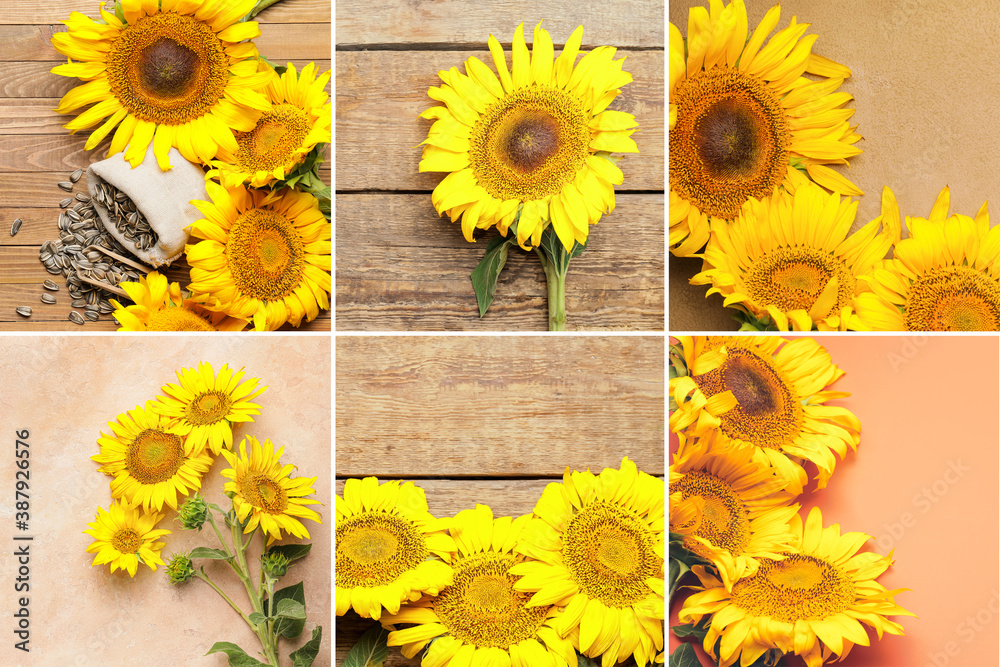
150	461
172	73
266	255
298	120
944	277
265	494
788	260
744	121
744	509
205	406
780	391
386	540
532	146
162	307
480	619
125	537
810	603
597	544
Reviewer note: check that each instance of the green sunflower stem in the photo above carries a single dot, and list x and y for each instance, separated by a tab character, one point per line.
204	577
555	281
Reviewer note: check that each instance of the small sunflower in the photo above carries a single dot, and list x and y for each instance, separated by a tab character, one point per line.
745	122
811	603
150	461
744	506
944	277
532	146
205	406
264	492
162	307
598	547
173	73
480	618
780	389
788	261
386	540
125	537
298	120
266	255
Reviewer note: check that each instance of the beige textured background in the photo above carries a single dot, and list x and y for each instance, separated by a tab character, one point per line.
64	390
925	87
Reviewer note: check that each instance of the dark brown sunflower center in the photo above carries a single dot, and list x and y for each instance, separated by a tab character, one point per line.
154	456
126	541
167	68
729	143
531	140
796	588
794	278
953	298
724	521
375	548
265	254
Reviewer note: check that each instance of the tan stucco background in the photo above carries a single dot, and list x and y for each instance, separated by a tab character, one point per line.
64	390
926	91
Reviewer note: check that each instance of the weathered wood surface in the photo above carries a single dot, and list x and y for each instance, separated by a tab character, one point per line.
36	151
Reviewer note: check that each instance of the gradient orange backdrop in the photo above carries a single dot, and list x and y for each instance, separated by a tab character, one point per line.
924	483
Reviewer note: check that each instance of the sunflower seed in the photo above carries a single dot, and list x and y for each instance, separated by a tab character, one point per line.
80	196
79	303
75	176
65	202
48	298
23	311
50	285
16	227
66	185
92	315
76	318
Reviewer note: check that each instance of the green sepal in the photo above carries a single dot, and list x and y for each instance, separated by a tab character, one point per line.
487	273
584	661
292	552
237	656
210	554
749	322
555	251
305	654
257	9
371	650
682	560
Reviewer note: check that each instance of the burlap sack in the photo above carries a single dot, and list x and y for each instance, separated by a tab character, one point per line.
161	196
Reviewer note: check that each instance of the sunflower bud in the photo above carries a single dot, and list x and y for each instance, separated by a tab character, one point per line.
193	513
179	569
275	564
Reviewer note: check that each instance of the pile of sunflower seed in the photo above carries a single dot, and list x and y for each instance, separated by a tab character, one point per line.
79	228
129	221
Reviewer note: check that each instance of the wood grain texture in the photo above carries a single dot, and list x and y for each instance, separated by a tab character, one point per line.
380	95
401	267
54	11
498	406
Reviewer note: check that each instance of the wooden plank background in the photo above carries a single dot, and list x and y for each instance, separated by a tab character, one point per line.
492	419
401	267
36	152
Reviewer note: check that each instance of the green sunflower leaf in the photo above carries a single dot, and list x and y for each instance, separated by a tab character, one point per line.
693	631
371	650
292	609
288	626
684	656
257	618
211	554
487	273
237	656
304	656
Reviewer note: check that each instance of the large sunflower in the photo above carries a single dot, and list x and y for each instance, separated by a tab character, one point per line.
811	603
266	255
205	406
299	119
744	121
532	146
744	506
126	537
162	307
788	261
480	618
150	461
780	389
944	277
385	542
265	494
173	73
598	544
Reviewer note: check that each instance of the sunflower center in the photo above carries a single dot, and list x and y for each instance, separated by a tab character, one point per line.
208	407
264	493
272	143
953	298
724	520
126	541
794	278
154	456
177	319
729	142
481	606
375	548
529	144
265	255
609	552
797	588
168	68
766	414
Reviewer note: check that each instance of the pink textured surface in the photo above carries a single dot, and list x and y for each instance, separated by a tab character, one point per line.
64	390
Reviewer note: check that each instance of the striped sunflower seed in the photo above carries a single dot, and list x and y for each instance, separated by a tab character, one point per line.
76	318
66	185
91	315
50	285
65	202
23	311
75	176
48	298
16	227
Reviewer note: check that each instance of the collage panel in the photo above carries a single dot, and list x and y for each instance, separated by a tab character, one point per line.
465	461
153	482
821	486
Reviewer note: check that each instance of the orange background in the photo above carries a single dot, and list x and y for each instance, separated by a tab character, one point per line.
925	483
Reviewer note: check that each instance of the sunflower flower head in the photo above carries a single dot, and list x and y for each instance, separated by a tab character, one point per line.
159	306
172	73
126	536
265	494
744	121
389	548
530	144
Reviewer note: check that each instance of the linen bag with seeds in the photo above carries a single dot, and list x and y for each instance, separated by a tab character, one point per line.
145	209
